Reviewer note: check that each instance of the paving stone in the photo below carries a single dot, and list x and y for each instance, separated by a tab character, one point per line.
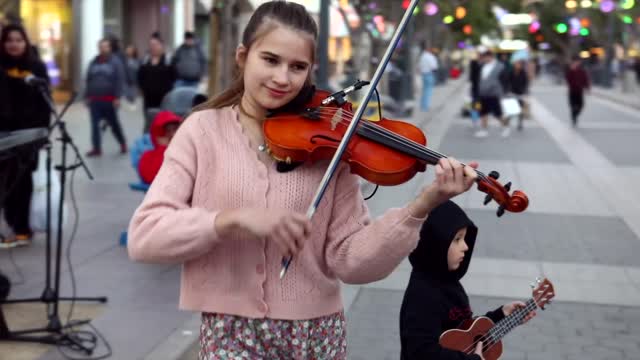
378	309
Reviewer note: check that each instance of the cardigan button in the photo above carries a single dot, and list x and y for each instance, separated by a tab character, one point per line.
263	308
260	269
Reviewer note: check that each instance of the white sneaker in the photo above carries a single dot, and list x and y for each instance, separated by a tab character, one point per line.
481	133
506	132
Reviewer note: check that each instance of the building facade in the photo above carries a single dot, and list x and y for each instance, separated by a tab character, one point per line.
66	32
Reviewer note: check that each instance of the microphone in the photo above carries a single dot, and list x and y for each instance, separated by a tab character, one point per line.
35	81
339	96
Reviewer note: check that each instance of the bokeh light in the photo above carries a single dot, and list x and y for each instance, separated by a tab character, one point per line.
430	9
607	6
561	28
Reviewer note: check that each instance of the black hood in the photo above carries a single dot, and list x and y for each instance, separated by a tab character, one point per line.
430	256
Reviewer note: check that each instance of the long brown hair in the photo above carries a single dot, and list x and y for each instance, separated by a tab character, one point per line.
273	13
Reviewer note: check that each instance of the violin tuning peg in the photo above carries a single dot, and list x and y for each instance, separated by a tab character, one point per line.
508	186
500	211
494	175
487	199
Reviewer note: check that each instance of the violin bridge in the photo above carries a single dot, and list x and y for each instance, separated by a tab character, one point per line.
336	119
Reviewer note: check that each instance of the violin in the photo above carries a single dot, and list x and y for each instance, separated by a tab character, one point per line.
385	152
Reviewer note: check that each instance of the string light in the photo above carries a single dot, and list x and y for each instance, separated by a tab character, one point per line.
430	8
585	4
627	4
561	28
607	6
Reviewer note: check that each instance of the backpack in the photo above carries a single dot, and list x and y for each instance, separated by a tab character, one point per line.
188	65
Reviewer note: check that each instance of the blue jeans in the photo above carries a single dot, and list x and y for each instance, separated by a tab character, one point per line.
428	81
104	110
186	83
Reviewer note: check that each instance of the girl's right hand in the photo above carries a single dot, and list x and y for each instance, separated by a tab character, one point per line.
286	228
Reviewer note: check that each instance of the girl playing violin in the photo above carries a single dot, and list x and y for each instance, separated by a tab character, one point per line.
220	206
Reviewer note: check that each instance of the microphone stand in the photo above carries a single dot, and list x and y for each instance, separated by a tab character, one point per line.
50	295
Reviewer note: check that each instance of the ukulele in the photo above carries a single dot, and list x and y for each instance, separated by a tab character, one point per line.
483	329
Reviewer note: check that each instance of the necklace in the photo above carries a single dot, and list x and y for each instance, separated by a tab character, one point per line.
261	147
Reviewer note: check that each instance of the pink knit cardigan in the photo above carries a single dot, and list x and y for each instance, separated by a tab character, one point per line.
210	167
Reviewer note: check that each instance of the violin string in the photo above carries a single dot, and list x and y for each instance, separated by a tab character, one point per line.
379	130
408	142
385	133
492	341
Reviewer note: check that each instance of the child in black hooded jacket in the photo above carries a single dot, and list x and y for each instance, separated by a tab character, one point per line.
434	300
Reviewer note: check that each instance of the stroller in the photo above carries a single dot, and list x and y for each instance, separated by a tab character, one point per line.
180	101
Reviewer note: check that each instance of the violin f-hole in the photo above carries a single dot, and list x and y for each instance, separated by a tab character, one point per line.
324	137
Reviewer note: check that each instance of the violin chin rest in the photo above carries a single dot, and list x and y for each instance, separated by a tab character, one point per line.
283	167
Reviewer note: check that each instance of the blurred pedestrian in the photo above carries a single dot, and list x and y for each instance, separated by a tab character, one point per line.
104	87
156	77
518	85
189	62
22	107
427	65
128	87
132	67
578	82
490	92
474	78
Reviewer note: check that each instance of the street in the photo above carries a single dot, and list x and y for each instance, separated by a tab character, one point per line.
581	231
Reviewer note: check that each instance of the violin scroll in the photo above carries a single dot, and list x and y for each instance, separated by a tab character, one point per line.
515	202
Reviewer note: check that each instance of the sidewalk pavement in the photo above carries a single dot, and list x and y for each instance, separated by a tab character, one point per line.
624	91
581	231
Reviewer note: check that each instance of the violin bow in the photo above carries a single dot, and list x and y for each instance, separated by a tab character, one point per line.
333	165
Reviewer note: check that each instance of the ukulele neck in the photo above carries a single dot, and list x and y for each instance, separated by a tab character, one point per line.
504	326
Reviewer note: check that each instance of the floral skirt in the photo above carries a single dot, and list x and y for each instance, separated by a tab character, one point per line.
234	337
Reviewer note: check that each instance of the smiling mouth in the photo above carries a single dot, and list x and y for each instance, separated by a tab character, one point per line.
277	93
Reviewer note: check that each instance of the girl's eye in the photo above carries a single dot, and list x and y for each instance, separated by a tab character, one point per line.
299	67
271	60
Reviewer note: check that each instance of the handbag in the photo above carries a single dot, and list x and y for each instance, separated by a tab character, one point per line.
38	212
510	107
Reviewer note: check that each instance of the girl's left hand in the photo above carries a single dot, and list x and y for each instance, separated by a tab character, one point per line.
508	309
452	178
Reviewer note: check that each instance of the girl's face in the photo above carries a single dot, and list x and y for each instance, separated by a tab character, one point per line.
275	68
457	249
16	45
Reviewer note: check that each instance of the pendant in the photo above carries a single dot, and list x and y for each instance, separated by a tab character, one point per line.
262	148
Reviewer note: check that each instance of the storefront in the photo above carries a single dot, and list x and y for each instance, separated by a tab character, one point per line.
9	11
48	23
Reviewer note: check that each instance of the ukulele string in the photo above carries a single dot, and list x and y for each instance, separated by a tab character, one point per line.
489	335
488	339
492	342
512	322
